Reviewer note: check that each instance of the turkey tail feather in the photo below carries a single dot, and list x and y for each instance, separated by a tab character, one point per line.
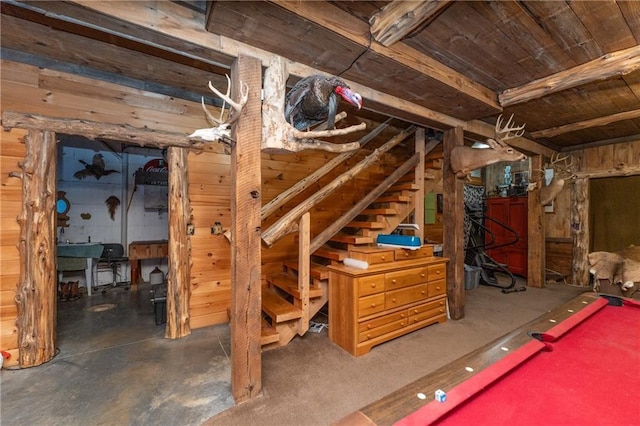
112	205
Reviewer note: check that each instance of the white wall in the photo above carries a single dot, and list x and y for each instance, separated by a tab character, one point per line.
89	215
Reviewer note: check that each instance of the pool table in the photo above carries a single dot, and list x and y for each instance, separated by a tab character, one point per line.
577	364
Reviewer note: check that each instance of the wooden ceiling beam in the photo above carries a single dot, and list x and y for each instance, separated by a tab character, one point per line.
586	124
401	17
176	25
610	65
324	14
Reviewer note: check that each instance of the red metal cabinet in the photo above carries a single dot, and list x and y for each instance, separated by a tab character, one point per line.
512	212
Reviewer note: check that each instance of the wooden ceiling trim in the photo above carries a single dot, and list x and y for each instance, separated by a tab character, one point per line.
145	14
400	17
329	16
613	64
631	12
75	19
26	36
596	122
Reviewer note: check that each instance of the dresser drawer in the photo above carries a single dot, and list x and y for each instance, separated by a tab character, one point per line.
382	320
438	304
406	295
402	254
372	256
370	305
370	285
437	272
413	319
437	287
383	329
405	278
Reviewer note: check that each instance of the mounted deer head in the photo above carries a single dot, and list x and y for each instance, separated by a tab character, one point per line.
222	130
561	173
465	159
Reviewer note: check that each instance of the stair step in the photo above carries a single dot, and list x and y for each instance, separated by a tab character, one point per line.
318	271
405	186
367	225
351	239
289	284
435	164
277	308
331	253
381	211
268	334
394	199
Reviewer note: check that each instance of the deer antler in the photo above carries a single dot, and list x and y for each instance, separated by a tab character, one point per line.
503	134
222	132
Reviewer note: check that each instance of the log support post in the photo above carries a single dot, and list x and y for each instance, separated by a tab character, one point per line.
246	201
304	270
418	197
453	232
179	277
536	233
37	289
580	231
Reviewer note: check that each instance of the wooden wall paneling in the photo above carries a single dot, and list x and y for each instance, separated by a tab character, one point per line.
36	295
12	151
453	247
536	233
559	256
178	279
246	363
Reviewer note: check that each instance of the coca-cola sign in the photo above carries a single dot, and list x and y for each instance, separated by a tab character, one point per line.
157	165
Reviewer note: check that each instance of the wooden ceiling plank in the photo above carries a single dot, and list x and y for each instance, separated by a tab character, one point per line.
606	23
400	17
545	56
328	16
563	26
600	121
613	64
631	12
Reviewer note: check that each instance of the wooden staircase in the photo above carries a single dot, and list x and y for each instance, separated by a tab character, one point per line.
281	297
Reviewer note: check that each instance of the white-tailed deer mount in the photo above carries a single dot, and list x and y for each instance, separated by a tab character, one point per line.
465	159
222	130
561	173
278	134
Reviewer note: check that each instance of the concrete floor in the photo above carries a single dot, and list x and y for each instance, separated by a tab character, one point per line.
116	368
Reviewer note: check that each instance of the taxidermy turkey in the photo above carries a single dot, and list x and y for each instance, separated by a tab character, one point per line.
96	169
315	99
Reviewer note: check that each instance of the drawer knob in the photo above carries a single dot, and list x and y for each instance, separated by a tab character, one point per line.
402	324
393	300
368	336
422	292
369	326
382	257
415	311
406	254
373	285
373	305
422	275
438	288
401	315
393	281
438	272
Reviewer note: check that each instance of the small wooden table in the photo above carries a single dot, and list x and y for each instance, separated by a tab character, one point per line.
139	250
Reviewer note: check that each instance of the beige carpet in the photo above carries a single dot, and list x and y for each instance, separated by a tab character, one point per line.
311	381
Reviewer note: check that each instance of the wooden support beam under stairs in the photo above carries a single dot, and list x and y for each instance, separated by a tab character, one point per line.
331	253
317	271
394	199
366	225
278	309
268	333
289	285
351	239
380	211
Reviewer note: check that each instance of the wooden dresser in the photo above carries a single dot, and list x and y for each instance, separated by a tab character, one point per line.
401	291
